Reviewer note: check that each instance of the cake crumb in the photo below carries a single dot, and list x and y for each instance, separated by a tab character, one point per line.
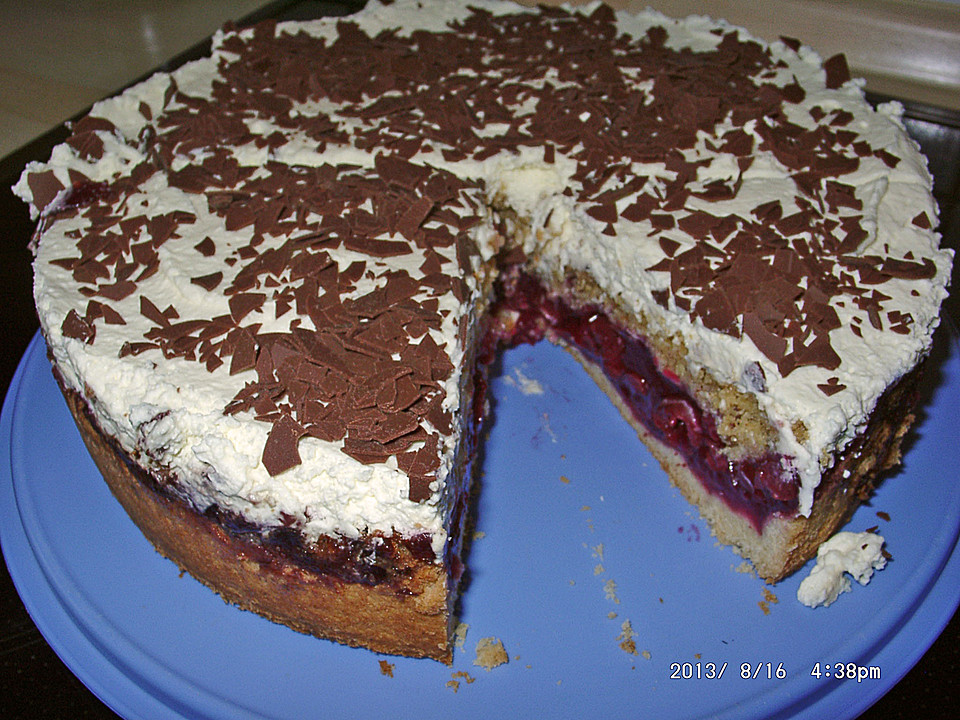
768	598
610	591
598	569
598	551
564	479
526	385
460	635
454	682
612	615
479	535
745	568
626	638
646	654
545	427
490	653
386	668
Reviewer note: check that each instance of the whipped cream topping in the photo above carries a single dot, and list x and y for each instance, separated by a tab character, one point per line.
844	556
755	207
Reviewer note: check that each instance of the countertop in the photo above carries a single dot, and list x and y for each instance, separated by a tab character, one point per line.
59	56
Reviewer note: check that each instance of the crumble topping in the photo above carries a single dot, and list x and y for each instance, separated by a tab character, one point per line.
490	653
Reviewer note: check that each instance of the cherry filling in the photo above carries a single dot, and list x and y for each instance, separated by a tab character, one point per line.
758	487
372	560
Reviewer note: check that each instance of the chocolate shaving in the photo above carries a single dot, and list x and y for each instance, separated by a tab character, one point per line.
208	282
78	327
280	452
791	42
44	186
831	387
242	304
837	71
206	247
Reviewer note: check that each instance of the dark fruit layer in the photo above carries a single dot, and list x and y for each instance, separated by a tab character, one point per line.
756	487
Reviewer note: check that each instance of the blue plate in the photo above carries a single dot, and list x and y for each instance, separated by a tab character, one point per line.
603	584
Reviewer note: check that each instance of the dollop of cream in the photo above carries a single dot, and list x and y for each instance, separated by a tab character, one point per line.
845	555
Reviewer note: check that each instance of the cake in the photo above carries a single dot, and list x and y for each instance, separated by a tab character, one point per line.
271	283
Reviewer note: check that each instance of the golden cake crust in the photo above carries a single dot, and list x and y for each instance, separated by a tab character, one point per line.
371	616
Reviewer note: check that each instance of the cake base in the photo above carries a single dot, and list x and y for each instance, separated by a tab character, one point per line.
786	543
415	623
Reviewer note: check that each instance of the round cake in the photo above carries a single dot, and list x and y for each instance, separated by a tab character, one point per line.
271	283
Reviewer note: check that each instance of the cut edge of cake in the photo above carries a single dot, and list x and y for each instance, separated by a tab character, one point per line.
777	543
784	544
